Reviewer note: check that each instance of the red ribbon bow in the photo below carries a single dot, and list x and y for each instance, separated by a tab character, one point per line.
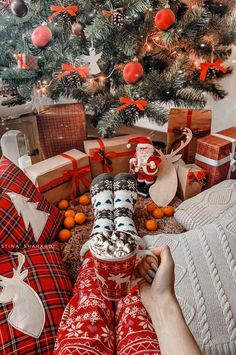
99	154
141	104
205	66
71	10
82	71
19	57
77	175
198	176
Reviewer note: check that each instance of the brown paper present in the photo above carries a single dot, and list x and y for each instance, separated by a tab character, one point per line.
62	176
191	178
61	128
199	121
109	155
216	154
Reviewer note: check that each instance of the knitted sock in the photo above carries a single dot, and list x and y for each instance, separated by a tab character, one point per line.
125	196
102	201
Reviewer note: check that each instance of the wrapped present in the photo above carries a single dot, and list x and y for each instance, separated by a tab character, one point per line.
216	154
61	177
26	61
61	128
191	179
199	121
109	155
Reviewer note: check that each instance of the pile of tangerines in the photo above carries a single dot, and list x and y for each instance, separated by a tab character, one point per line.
157	213
72	217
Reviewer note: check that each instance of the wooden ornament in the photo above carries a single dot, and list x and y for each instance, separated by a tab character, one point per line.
164	189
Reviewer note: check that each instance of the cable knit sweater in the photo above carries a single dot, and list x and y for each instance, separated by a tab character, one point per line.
205	282
207	206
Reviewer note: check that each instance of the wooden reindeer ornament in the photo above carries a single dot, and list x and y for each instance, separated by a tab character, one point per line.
164	189
28	314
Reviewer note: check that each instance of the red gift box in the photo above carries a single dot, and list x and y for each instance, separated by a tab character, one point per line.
216	154
61	128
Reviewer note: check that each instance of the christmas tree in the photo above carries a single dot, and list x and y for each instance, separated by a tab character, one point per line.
122	59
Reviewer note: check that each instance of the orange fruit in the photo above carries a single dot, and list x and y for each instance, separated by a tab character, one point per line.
168	210
80	218
151	225
151	207
70	213
84	200
64	235
63	204
158	213
69	222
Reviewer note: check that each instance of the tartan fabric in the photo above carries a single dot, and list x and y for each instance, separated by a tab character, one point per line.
13	233
89	325
61	128
48	277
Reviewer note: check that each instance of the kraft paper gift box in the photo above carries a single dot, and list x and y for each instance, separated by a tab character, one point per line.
199	121
109	155
61	128
61	177
191	178
216	154
26	61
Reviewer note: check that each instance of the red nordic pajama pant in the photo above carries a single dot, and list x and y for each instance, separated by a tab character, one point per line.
91	326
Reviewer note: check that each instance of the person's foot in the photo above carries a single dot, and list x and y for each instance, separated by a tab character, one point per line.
125	196
102	201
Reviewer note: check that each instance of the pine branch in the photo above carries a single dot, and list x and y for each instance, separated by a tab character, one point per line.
109	123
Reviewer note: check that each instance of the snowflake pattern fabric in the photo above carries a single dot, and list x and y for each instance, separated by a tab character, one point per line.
90	326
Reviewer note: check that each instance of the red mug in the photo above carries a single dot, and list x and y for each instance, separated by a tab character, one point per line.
116	274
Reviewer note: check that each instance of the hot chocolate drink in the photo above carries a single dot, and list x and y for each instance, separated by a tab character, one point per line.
113	244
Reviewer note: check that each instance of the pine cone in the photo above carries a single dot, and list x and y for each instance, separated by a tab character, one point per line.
118	19
131	115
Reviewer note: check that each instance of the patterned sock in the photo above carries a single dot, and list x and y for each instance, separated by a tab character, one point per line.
125	196
102	201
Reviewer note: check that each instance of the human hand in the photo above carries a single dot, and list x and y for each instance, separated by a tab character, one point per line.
162	274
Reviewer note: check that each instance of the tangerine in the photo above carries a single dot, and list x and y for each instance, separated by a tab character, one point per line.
84	200
69	222
151	207
70	213
80	218
64	235
63	204
158	213
151	225
168	210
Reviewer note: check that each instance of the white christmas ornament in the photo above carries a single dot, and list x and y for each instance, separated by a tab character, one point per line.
28	211
91	60
28	314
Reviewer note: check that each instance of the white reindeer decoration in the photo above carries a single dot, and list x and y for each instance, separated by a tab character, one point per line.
28	314
119	279
164	189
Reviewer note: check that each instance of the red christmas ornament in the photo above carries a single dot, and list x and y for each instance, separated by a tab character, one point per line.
164	19
132	72
41	36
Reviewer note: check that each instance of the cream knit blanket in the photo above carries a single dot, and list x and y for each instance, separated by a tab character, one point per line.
205	282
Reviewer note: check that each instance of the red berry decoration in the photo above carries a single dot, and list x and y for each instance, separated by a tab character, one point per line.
164	19
132	72
41	36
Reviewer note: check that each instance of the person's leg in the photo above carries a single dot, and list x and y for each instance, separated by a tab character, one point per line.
134	330
88	320
125	196
101	192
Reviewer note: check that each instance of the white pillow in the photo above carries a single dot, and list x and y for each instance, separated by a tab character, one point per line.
205	282
208	206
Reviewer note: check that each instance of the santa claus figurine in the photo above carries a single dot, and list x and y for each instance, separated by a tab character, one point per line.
144	163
